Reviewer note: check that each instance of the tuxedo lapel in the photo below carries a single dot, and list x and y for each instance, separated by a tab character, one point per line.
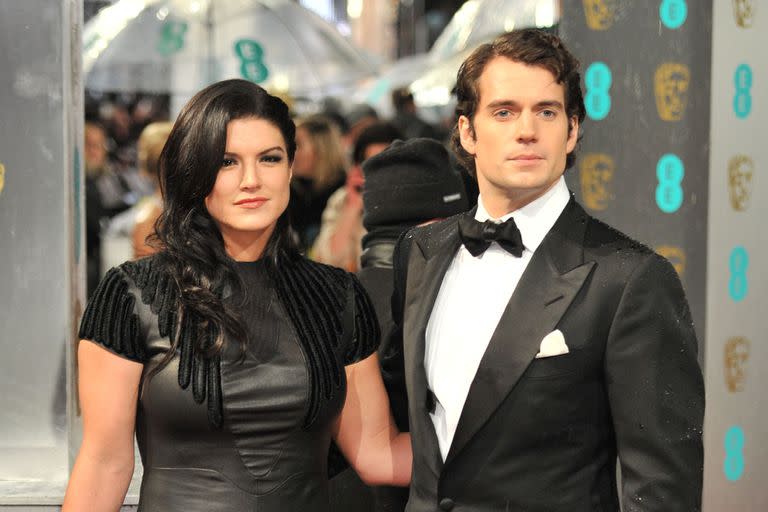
549	284
428	263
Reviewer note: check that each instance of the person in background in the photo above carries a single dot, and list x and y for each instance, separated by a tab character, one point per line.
341	231
232	358
318	170
408	184
107	193
125	237
407	120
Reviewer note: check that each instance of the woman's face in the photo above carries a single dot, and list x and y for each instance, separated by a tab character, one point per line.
252	186
304	161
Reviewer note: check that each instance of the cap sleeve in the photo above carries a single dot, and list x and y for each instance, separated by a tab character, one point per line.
366	332
110	318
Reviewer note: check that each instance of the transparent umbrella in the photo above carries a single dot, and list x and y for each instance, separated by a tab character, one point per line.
476	22
180	46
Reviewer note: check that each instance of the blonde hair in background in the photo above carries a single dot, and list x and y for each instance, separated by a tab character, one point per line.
150	145
326	141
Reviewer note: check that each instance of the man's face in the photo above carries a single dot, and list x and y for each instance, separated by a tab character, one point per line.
519	137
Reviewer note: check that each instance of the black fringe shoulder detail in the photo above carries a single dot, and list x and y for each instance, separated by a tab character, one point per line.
367	334
317	300
110	318
161	294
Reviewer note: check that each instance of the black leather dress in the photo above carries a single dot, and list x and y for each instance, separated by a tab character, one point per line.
228	434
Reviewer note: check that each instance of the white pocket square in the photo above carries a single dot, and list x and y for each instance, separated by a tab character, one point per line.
553	344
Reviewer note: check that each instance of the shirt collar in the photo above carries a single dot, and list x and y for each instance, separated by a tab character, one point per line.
535	219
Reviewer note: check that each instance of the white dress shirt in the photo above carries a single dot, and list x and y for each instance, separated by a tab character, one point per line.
472	298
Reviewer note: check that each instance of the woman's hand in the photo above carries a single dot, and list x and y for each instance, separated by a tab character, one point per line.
366	433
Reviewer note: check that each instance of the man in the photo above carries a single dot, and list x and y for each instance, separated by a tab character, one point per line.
539	343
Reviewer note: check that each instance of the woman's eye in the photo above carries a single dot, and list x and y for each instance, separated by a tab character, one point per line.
272	159
227	162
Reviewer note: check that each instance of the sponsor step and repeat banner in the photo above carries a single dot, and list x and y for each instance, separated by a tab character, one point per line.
642	163
736	428
673	151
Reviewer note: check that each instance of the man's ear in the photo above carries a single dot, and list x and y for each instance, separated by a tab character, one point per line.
573	134
467	135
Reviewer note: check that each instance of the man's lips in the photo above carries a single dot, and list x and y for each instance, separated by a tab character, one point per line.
527	157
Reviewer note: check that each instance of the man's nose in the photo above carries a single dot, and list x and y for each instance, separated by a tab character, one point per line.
526	127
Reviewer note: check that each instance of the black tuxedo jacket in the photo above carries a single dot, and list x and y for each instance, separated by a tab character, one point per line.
544	434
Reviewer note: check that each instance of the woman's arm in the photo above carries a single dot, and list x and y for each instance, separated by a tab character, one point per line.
365	431
108	386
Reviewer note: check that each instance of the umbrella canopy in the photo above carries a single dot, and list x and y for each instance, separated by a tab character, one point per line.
431	75
180	46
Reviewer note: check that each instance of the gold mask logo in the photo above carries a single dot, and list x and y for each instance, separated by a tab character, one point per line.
675	255
740	171
736	357
671	83
744	12
596	172
600	14
2	178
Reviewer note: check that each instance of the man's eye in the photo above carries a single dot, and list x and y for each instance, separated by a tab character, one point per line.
503	113
548	113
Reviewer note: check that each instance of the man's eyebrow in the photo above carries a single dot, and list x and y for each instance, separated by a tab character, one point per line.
513	103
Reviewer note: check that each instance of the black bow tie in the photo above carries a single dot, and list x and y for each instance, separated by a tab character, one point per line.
477	236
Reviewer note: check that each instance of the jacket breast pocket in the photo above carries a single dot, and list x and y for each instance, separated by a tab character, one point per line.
554	366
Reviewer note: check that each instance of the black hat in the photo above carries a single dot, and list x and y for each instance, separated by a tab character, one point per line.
410	183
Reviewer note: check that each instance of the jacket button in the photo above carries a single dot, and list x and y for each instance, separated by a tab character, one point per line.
446	504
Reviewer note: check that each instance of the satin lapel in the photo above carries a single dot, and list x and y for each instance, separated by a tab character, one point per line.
427	266
546	289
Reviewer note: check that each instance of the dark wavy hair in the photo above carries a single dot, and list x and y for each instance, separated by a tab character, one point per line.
535	47
191	247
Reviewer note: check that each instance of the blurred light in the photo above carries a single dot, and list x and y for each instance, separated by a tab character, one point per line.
545	14
162	13
354	8
107	25
509	24
281	82
433	96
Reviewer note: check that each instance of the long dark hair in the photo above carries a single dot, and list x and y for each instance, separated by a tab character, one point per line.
191	245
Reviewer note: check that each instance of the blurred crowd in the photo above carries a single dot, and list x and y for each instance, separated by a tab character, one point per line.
342	208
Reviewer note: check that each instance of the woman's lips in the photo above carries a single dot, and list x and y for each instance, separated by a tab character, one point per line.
254	202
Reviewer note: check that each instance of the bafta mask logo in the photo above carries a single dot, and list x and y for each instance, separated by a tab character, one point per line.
600	14
2	178
675	255
671	83
596	172
736	357
740	171
744	12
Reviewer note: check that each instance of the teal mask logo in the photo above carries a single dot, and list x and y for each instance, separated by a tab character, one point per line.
669	192
738	284
742	99
598	79
733	465
251	56
172	37
673	13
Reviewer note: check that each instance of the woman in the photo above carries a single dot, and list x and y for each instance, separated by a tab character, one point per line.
319	170
236	359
